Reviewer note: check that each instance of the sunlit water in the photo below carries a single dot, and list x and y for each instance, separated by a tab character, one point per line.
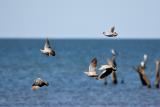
21	62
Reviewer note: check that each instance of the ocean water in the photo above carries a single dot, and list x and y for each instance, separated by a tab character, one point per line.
21	62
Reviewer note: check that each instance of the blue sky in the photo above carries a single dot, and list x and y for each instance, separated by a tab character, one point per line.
79	18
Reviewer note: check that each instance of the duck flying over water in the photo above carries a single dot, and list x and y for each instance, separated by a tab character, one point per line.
106	70
39	83
92	68
47	49
111	32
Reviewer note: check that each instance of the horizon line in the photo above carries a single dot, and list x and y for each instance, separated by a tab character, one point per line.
104	38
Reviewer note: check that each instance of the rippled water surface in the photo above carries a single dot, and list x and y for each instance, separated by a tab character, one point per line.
21	62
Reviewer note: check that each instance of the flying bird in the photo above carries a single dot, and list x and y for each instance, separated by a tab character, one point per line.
106	70
47	49
39	83
111	32
92	68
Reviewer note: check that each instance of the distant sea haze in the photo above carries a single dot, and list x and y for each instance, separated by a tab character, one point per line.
21	62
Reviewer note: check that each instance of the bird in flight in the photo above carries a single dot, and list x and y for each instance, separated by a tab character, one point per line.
47	49
39	83
111	32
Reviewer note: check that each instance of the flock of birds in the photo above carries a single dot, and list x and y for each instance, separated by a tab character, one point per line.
111	67
108	69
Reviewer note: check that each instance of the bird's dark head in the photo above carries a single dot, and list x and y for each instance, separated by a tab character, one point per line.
53	53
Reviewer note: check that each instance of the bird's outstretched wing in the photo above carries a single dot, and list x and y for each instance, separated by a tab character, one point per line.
112	29
94	62
93	65
103	67
105	73
47	44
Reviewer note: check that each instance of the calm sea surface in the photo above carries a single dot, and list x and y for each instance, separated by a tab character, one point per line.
21	62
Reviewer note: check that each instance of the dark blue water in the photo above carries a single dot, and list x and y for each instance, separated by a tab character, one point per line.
21	62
